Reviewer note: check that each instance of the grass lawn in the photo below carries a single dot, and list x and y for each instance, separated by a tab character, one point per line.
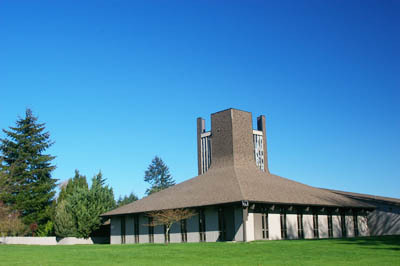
356	251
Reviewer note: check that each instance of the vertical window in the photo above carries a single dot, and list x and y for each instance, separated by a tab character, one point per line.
221	224
343	223
151	230
123	232
264	225
355	222
202	226
330	228
167	237
315	225
184	230
300	229
136	228
283	224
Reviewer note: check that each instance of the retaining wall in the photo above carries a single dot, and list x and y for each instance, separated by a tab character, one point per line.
52	240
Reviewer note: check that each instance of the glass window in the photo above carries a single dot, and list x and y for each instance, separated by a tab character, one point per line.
330	228
355	222
343	224
136	228
300	229
315	225
283	224
151	230
264	225
202	225
184	230
123	232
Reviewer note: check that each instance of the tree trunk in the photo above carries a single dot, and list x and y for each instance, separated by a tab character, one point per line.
167	227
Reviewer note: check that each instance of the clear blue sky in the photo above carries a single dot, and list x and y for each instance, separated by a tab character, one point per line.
118	82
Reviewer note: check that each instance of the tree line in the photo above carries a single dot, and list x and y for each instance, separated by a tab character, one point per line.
28	201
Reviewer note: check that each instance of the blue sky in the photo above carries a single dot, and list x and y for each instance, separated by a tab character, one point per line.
118	82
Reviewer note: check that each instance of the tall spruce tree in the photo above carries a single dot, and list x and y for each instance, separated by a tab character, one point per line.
158	176
28	170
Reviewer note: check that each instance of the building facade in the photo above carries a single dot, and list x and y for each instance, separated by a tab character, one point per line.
236	198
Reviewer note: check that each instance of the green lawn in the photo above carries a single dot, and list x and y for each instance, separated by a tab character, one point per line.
358	251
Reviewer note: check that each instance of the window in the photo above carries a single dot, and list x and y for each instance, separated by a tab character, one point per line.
315	225
151	230
264	225
136	228
283	224
330	228
167	237
123	232
300	228
355	222
184	230
343	224
202	226
221	224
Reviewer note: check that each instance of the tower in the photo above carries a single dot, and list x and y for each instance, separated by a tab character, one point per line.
231	140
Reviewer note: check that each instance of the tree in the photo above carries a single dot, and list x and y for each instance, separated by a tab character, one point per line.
71	185
28	170
169	217
64	223
10	223
78	212
158	176
126	199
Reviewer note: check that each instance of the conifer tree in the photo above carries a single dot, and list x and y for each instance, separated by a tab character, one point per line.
79	208
126	199
158	176
77	181
28	170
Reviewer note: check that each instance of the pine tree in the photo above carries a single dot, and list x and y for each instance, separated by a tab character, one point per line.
28	170
158	176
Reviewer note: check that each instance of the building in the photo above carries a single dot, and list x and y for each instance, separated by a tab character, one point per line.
238	199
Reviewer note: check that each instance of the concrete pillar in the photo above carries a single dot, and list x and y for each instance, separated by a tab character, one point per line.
274	220
308	226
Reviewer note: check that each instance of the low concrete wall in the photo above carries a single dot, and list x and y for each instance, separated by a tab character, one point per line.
52	240
20	240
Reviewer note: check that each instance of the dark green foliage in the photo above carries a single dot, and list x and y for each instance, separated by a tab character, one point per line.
71	186
64	222
78	212
30	188
47	230
126	199
158	176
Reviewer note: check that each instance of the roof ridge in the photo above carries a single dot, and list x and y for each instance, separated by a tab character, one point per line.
239	184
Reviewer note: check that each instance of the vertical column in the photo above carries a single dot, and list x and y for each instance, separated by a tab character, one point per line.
261	127
200	129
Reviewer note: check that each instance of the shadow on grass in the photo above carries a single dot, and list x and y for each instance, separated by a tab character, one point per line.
381	242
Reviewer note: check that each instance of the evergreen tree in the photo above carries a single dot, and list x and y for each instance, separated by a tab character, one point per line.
79	209
77	181
64	223
28	170
126	199
158	176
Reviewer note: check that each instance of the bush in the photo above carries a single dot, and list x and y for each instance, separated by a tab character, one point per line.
10	222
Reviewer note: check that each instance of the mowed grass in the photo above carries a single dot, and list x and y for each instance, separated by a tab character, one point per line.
356	251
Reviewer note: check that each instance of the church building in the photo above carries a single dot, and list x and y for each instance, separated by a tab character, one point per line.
236	198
